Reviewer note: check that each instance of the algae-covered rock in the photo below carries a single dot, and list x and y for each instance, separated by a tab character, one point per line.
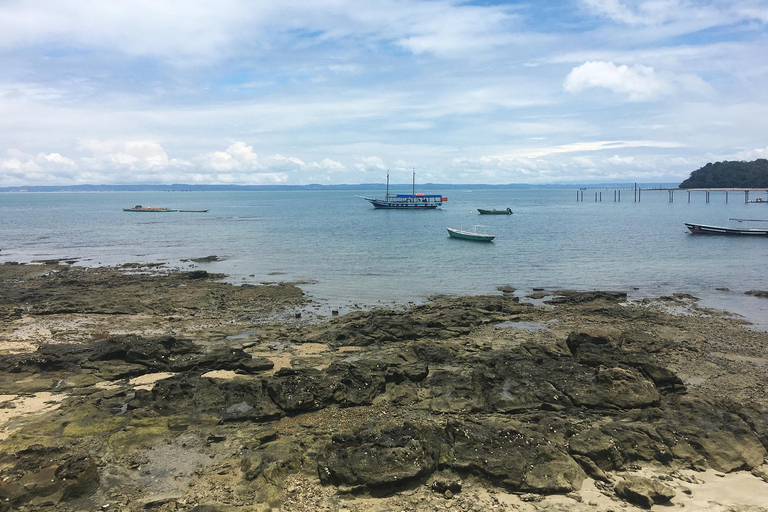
622	388
139	433
514	456
604	336
642	491
273	460
36	482
376	457
723	438
598	447
230	400
343	383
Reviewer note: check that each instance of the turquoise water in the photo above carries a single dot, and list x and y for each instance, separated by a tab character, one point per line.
351	252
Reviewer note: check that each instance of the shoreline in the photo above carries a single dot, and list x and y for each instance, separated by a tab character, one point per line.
752	309
174	390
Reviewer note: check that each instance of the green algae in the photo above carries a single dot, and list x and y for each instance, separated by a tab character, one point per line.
30	384
139	433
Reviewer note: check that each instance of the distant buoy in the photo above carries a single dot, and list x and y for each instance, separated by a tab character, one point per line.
470	212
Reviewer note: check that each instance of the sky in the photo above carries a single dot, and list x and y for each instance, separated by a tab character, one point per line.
258	92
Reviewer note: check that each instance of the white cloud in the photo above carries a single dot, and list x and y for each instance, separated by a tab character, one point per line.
619	160
568	168
639	82
580	147
752	154
19	163
617	11
369	163
456	30
57	158
203	31
131	154
238	156
695	15
117	162
29	92
328	165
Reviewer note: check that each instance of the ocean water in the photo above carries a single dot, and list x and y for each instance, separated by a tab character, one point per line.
349	253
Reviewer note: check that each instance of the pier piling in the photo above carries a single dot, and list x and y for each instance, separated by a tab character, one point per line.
638	193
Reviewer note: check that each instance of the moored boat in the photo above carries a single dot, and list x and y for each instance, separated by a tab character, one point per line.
705	229
479	233
411	201
482	211
155	209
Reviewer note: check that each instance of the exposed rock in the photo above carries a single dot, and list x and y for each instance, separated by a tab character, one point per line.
567	296
238	399
623	388
644	491
514	456
37	486
725	440
594	336
273	461
433	398
598	447
389	456
445	481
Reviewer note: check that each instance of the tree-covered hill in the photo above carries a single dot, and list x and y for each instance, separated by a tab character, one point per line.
730	174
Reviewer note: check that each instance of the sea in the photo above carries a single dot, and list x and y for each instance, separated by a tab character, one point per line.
346	254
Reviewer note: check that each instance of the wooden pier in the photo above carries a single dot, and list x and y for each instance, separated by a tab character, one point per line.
671	191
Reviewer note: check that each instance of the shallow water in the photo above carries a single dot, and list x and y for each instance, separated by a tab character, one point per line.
351	253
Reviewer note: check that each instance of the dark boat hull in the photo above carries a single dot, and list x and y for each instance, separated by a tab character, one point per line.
470	235
703	229
149	210
385	205
494	212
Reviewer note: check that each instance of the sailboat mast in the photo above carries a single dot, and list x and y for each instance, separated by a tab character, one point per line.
414	181
387	184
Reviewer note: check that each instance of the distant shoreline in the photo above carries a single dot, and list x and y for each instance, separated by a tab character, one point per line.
180	187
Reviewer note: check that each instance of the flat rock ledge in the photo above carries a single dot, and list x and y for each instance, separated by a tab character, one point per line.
448	396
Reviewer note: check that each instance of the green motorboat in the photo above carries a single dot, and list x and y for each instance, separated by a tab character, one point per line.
478	234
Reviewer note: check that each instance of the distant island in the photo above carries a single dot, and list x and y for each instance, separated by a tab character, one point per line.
730	175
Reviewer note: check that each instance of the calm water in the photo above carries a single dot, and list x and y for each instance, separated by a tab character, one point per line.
353	253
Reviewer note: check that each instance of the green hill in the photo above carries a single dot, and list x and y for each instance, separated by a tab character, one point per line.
730	174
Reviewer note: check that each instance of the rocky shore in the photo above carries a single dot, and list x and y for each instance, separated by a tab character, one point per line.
140	388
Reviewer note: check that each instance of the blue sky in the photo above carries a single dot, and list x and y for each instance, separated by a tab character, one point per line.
339	91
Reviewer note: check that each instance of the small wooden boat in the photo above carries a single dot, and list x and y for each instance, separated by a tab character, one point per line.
194	211
478	234
508	211
153	209
704	229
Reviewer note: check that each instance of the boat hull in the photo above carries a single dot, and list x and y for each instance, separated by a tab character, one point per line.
469	235
384	205
703	229
417	203
494	212
148	210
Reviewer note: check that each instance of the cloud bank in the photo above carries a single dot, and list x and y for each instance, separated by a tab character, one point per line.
336	91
